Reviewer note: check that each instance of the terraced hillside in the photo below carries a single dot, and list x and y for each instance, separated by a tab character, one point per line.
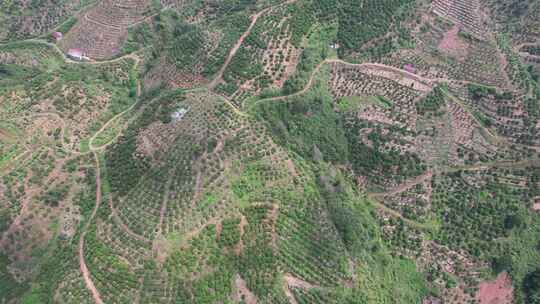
269	151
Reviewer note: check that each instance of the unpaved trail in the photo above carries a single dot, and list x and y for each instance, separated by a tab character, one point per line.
30	193
379	205
389	68
377	198
291	281
62	129
471	168
117	116
533	162
373	66
298	283
103	24
69	60
235	49
406	185
84	270
303	91
57	116
243	294
240	41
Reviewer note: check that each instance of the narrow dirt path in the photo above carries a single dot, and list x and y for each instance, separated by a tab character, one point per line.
385	67
465	108
103	24
235	49
29	194
70	61
57	116
471	168
243	294
380	205
117	116
374	66
406	185
294	282
533	162
84	270
240	41
303	91
377	198
62	129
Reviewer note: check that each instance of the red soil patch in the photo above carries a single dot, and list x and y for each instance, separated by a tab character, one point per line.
242	293
499	291
536	207
452	45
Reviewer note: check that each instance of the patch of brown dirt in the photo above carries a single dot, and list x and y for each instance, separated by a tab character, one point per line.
452	45
294	282
298	283
499	291
241	293
240	246
536	205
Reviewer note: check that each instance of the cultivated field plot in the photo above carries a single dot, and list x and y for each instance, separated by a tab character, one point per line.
465	13
23	19
101	30
43	199
225	195
269	54
64	102
448	52
298	151
487	203
192	41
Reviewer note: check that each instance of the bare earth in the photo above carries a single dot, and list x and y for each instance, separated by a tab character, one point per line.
499	291
242	293
453	45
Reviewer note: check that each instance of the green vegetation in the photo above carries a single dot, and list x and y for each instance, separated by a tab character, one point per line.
432	102
67	25
307	123
9	288
292	174
479	91
186	44
127	166
531	285
356	31
375	163
315	51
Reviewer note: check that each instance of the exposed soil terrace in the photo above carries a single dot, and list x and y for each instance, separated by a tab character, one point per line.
499	291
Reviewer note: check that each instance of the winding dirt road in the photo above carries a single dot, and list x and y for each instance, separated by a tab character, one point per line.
82	263
374	66
238	44
235	49
378	197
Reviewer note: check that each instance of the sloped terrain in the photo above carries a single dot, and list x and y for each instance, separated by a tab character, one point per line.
303	151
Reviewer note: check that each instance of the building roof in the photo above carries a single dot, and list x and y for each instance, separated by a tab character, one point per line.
57	35
75	52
